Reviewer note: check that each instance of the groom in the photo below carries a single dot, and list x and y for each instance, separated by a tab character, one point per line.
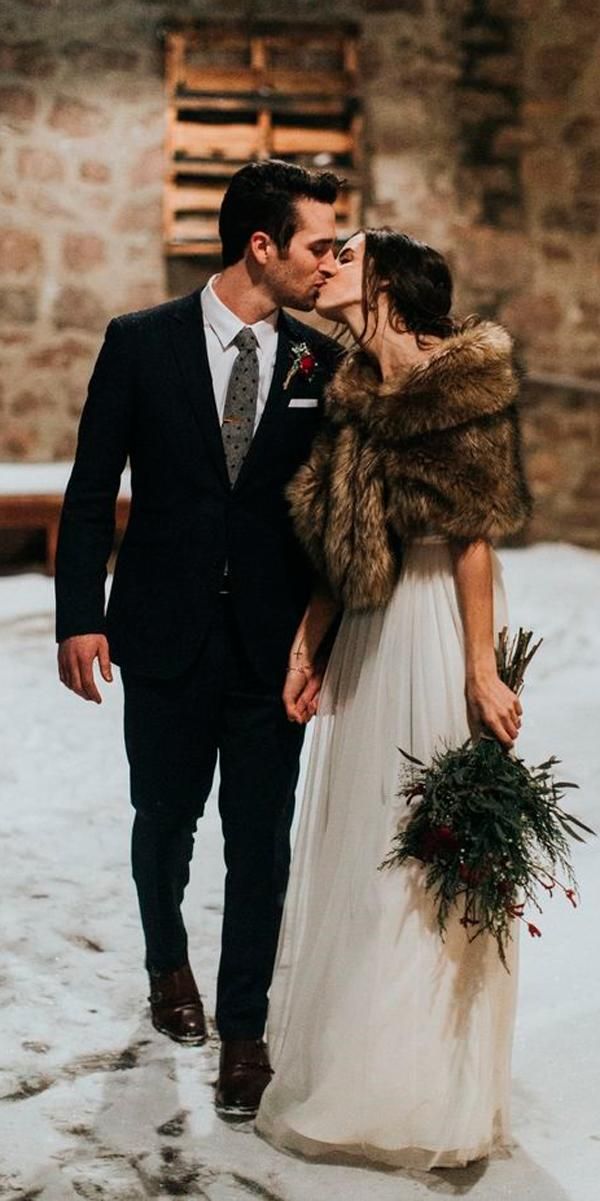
215	399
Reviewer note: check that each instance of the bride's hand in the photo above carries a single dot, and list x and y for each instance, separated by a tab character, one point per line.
493	706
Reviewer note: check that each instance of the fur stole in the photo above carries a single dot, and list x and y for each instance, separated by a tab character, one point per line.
435	450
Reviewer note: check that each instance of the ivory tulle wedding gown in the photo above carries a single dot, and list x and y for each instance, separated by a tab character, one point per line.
388	1044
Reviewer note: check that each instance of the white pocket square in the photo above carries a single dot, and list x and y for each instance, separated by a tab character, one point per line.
303	402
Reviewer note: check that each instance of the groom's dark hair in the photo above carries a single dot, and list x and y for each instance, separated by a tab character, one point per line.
262	196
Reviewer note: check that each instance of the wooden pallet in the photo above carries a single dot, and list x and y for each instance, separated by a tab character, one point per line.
234	96
41	511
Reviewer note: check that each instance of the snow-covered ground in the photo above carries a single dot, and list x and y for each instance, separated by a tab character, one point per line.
35	479
95	1104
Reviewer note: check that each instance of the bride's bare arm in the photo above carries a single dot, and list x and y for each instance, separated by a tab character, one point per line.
305	669
490	702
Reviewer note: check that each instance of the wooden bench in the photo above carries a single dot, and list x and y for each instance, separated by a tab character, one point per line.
31	497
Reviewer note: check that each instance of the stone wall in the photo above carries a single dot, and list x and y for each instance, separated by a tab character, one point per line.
482	138
561	438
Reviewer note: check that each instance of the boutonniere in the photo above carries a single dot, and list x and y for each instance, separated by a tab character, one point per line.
303	360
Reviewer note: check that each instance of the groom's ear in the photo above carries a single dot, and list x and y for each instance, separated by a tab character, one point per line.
260	247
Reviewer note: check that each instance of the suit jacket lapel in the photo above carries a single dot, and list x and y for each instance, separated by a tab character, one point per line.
189	343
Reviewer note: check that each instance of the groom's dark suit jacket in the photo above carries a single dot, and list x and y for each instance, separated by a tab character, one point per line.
150	399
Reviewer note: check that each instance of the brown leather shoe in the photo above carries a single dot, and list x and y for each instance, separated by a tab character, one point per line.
176	1007
244	1072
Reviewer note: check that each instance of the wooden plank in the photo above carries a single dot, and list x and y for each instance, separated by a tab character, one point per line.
211	249
347	205
239	33
193	228
351	55
197	140
175	61
298	80
196	197
264	133
185	223
356	129
220	79
315	38
251	102
258	56
202	170
208	249
287	80
298	140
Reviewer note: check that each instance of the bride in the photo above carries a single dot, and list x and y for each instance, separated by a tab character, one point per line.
390	1045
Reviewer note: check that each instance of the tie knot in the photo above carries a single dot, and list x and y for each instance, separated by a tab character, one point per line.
246	339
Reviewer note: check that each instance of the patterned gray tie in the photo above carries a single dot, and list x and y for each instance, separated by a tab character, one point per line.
240	403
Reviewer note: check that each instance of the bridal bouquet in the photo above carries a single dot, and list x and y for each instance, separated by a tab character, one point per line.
487	828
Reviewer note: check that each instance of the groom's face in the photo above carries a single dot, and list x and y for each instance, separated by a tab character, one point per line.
296	276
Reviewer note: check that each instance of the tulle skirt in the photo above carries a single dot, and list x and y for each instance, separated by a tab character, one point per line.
388	1044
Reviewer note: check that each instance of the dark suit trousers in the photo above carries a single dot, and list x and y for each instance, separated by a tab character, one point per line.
174	731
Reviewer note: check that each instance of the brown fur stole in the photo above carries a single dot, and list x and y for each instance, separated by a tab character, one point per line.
434	451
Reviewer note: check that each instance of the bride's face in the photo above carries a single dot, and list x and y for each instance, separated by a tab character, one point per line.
342	293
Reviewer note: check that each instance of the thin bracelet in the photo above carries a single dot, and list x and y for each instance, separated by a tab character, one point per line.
303	670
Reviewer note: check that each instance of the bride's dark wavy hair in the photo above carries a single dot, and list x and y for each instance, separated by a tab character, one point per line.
415	278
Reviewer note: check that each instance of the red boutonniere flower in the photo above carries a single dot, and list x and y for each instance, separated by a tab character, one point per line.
303	361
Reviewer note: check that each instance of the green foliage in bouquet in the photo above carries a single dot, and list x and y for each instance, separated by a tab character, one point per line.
487	828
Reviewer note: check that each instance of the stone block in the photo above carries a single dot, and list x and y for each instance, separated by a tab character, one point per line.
511	140
589	486
487	258
495	177
32	400
28	58
20	251
557	252
61	355
138	217
589	315
18	305
18	441
99	202
580	130
17	103
95	60
475	106
558	67
41	165
499	70
530	316
548	109
545	170
545	470
76	117
588	163
83	252
555	217
144	295
93	171
48	205
79	308
149	167
13	337
585	217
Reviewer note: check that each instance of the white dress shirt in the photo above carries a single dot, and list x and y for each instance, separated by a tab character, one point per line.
220	328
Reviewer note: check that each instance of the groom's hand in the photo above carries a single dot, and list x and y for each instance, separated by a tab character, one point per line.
76	664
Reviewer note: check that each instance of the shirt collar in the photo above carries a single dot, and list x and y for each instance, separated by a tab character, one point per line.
226	325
